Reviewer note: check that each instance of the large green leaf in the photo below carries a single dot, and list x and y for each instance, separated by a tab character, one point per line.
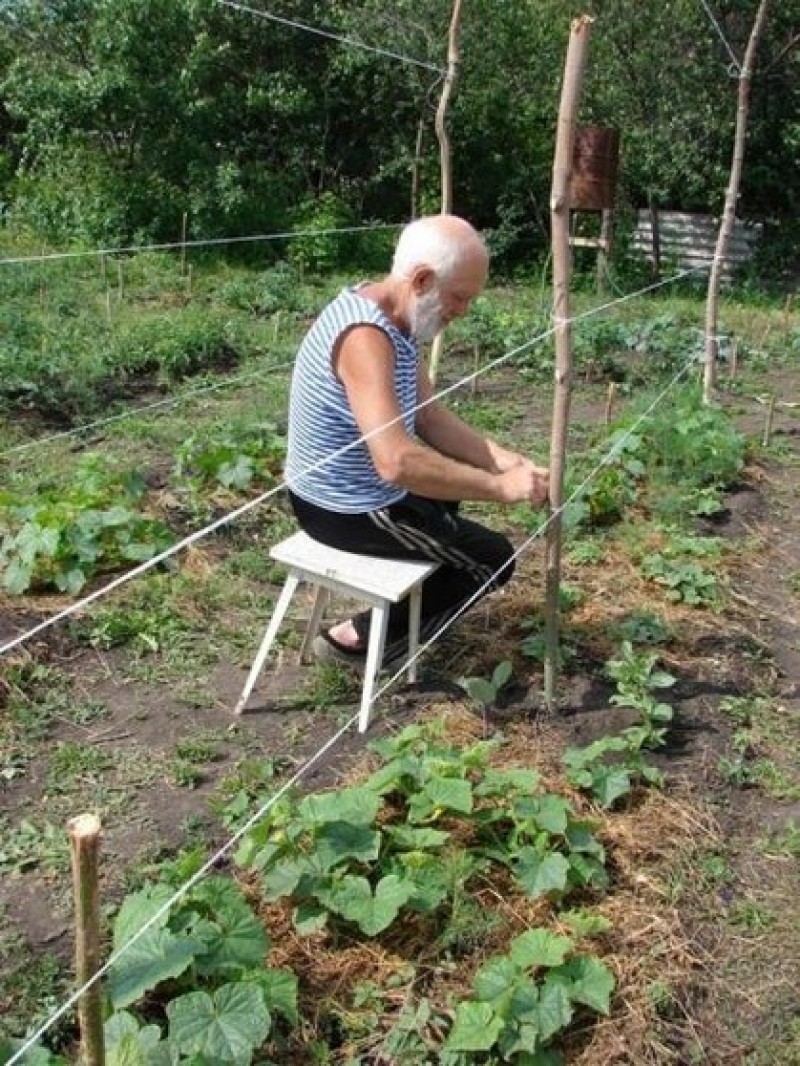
476	1027
224	1028
609	783
353	899
155	957
443	793
279	988
539	947
337	841
592	982
495	982
553	1012
235	939
358	806
139	908
541	875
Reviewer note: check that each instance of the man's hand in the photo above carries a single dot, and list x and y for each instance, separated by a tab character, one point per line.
525	483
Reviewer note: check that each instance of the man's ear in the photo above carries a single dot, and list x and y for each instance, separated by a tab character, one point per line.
423	280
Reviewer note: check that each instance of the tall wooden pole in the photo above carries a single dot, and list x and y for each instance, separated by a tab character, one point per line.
729	212
445	151
559	215
84	835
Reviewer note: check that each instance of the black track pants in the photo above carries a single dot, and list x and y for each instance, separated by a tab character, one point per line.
470	555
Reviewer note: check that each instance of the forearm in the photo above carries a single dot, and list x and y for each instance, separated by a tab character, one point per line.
427	472
451	437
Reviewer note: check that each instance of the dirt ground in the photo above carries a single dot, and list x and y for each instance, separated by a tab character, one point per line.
737	1000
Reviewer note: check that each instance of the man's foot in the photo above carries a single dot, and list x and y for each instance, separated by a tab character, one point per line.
328	648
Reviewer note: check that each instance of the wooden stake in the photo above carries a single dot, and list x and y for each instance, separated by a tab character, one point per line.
612	394
120	281
445	153
729	212
84	835
559	213
476	355
183	244
733	366
770	417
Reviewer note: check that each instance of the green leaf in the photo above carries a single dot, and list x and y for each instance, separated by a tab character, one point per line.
309	918
137	909
539	947
359	806
416	838
553	1012
540	876
502	674
513	779
353	899
155	957
476	1028
17	577
496	980
609	783
451	793
592	982
480	690
338	841
225	1028
279	988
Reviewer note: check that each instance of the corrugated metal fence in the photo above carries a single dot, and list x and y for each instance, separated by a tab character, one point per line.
689	240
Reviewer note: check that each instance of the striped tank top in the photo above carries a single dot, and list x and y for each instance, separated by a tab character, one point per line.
320	420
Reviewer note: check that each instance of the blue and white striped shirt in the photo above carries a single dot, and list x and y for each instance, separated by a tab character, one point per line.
321	422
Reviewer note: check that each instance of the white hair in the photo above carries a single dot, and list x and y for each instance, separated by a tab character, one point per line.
427	242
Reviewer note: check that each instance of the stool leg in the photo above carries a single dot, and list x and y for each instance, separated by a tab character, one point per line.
320	603
414	614
289	588
377	642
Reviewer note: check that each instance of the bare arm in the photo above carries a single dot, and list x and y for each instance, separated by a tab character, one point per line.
365	365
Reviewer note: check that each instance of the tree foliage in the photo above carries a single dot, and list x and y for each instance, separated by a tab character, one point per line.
119	116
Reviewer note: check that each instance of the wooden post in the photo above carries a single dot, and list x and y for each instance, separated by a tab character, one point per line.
445	153
729	212
733	366
559	212
612	393
604	250
84	835
120	281
770	417
183	244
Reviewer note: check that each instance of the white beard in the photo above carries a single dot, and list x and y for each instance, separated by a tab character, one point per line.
426	316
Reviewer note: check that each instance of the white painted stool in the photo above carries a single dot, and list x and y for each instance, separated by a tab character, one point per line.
379	582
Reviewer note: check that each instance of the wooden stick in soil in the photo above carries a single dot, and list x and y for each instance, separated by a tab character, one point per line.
768	421
84	835
729	212
445	152
560	216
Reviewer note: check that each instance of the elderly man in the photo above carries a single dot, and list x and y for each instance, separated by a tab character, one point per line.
374	466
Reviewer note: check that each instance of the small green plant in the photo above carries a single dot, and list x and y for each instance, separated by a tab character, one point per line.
232	459
608	768
685	581
524	999
483	691
201	963
365	854
63	537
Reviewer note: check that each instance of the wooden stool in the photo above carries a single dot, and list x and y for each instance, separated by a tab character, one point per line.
379	582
